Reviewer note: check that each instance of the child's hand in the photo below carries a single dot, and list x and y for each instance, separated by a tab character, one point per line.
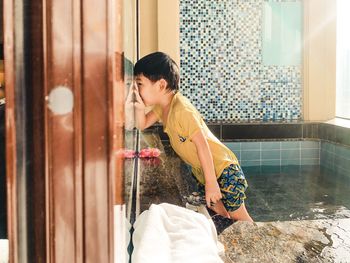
139	105
129	110
212	193
129	103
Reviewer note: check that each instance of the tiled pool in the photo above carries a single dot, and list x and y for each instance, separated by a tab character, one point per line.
299	197
289	180
297	193
277	153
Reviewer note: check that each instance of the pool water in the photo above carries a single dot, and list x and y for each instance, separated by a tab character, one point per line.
284	193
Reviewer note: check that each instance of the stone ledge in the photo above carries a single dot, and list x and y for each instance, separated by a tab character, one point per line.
287	241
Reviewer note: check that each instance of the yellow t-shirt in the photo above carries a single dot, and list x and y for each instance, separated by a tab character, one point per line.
182	123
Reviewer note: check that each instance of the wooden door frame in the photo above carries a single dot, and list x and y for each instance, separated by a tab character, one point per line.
60	167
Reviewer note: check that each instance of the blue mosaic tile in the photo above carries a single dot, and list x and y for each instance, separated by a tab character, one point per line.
221	64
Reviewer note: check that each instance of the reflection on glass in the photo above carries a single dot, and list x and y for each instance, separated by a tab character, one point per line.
282	25
129	106
125	137
129	44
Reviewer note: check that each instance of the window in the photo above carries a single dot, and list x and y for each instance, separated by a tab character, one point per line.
282	28
343	59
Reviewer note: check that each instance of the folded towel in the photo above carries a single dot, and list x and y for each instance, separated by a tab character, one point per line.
4	251
121	234
171	234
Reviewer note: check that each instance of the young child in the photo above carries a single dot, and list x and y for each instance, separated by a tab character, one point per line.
215	167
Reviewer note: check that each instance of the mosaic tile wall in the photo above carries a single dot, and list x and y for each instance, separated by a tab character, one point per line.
221	64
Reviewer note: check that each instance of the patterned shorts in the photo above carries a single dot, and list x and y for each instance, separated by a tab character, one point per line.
233	185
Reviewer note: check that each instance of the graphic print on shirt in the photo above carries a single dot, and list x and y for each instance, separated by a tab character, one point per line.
182	139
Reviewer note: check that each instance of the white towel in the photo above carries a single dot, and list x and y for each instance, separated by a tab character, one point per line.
4	251
121	234
171	234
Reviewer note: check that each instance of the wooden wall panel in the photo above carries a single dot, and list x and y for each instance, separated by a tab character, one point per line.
95	110
60	139
73	45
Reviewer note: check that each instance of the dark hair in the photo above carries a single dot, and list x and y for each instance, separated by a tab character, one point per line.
159	65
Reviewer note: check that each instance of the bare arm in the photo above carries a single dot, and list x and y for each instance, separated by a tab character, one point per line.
212	190
144	121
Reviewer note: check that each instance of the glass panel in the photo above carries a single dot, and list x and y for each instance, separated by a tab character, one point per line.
129	25
123	223
3	214
3	226
282	25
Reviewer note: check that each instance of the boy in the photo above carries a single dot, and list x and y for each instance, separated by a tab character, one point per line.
215	167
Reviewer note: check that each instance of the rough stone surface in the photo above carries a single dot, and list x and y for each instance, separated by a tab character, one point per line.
164	179
288	241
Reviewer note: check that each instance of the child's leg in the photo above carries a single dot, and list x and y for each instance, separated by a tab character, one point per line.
233	185
220	209
241	214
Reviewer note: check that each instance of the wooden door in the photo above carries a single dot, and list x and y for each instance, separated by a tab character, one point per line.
64	120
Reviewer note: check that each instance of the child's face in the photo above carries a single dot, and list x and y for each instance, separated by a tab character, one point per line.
149	91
